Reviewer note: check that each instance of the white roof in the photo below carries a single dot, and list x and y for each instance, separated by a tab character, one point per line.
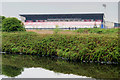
62	13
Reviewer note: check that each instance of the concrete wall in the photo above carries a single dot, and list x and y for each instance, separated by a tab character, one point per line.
109	24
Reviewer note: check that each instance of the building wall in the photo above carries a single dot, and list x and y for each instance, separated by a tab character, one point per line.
109	24
64	21
63	25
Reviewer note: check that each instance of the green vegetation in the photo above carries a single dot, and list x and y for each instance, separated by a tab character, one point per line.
1	22
12	24
0	64
56	30
3	17
16	63
11	71
88	47
97	30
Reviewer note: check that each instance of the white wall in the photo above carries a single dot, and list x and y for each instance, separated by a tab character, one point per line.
61	24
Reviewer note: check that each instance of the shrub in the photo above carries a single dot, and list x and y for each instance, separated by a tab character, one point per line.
1	19
12	24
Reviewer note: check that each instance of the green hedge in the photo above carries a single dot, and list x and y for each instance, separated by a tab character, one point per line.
88	47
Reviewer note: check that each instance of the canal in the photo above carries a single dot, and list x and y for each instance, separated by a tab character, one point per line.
34	66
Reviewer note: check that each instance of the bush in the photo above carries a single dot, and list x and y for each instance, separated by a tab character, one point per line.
1	18
12	24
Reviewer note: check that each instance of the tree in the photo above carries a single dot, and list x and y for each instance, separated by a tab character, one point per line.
1	18
12	24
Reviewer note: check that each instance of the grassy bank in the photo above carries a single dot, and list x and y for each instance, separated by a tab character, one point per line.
88	47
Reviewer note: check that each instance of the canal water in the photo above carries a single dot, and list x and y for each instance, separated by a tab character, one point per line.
34	66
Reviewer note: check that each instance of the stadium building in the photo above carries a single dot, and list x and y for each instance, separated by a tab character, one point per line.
63	21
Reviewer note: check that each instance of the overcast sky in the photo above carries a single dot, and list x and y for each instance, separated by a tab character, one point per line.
12	8
60	0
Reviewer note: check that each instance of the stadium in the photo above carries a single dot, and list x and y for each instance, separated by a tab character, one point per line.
62	20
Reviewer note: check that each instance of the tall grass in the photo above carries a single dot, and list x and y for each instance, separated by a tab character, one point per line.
88	47
97	30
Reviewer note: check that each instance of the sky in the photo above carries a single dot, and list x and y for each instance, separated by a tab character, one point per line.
60	0
12	8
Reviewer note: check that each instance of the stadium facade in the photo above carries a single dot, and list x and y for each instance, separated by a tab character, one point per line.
63	21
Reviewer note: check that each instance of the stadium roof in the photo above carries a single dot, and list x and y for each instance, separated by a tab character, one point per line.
61	13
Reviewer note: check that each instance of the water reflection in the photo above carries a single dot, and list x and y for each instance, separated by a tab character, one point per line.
11	71
43	73
13	66
0	63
